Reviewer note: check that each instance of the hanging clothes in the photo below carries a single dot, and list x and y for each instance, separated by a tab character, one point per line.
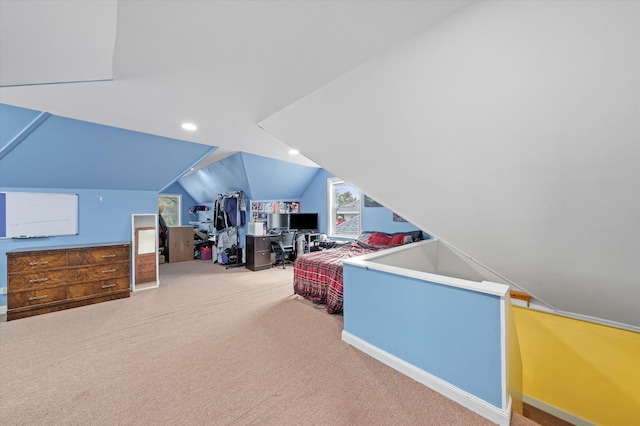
230	210
226	239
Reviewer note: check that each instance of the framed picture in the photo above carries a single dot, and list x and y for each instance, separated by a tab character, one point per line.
398	218
370	202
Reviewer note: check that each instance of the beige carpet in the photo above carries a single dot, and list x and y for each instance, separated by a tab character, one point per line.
211	346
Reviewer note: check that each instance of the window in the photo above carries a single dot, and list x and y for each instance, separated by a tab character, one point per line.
172	208
344	209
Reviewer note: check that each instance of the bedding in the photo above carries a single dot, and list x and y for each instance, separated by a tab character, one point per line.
317	276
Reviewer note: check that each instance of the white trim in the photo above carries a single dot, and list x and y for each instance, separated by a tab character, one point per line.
504	353
367	261
142	287
472	402
332	208
550	409
3	310
178	202
132	280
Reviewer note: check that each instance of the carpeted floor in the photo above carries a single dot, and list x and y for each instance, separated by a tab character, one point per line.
211	346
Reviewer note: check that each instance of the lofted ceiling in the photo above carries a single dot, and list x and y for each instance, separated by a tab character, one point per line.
150	65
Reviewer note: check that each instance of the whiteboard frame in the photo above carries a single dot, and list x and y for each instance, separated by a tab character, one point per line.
38	214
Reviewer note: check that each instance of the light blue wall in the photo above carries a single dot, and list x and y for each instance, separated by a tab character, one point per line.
275	179
315	199
378	218
104	216
260	178
451	333
185	199
60	152
14	120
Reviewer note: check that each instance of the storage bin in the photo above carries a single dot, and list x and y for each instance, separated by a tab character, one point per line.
205	253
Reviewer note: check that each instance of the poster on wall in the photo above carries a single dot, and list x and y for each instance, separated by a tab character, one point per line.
398	218
370	202
260	209
287	207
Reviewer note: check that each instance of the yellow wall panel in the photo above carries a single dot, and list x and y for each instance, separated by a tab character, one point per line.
588	370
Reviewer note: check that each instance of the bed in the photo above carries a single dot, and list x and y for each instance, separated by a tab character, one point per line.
317	276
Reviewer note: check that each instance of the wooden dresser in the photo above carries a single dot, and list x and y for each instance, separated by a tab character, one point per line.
51	279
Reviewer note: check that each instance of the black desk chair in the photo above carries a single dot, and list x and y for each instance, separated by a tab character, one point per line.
284	249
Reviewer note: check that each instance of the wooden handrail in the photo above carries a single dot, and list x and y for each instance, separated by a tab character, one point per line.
520	295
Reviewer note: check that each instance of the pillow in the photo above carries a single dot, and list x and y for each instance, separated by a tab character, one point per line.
416	235
396	240
378	239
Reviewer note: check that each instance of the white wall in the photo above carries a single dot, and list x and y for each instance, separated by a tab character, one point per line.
513	130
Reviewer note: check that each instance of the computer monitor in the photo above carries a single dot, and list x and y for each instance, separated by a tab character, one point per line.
304	221
278	221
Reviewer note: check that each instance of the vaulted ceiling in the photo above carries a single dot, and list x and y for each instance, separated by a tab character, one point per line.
149	65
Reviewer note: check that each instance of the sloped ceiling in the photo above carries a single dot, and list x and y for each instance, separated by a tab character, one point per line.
518	147
58	152
79	50
224	65
259	177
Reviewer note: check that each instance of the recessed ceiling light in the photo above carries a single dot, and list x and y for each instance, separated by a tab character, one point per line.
294	152
189	126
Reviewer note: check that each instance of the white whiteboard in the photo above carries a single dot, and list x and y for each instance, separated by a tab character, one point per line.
31	214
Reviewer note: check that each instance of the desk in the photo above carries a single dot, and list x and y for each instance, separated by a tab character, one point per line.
259	251
311	240
324	245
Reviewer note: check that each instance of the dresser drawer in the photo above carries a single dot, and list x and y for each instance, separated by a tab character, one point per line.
99	255
35	280
262	243
98	287
37	297
101	272
262	259
34	261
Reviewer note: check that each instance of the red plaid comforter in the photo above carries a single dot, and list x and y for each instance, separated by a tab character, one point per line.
317	276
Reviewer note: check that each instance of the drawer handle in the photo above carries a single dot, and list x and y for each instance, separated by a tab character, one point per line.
109	255
108	285
43	262
108	271
39	280
38	297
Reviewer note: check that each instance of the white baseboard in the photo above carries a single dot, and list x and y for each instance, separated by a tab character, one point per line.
556	412
3	310
472	402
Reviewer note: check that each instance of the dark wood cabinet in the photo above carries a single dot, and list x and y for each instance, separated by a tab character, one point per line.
179	243
53	279
259	251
